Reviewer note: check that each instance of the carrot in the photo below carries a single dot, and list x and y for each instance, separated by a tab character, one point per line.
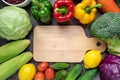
109	6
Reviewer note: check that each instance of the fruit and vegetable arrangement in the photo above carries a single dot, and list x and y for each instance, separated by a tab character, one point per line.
16	56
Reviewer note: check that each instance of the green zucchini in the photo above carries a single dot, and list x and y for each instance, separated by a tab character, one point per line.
12	49
74	72
9	67
88	74
60	75
60	65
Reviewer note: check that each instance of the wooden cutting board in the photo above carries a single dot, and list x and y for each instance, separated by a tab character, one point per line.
63	44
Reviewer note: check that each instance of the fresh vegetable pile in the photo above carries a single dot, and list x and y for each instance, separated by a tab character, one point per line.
15	25
106	28
44	72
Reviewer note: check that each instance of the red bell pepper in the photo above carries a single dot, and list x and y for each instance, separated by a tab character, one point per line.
63	10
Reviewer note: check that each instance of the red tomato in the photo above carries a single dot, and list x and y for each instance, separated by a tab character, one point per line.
49	73
42	66
39	76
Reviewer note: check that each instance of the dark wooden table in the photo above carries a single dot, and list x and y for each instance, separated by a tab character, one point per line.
53	22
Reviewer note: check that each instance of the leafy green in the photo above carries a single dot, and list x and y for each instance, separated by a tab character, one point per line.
14	23
107	28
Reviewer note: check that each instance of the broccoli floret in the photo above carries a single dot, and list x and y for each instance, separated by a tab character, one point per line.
107	28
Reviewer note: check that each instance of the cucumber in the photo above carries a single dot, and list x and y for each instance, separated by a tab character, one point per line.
88	74
60	65
74	72
60	75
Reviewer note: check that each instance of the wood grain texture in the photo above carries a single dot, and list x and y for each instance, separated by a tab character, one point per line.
62	43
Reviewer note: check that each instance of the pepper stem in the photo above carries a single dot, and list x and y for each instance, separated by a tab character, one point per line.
36	3
63	10
89	8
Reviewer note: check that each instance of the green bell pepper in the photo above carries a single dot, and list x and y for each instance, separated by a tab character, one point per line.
41	10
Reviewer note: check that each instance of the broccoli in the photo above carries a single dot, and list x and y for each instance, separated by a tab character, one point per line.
107	28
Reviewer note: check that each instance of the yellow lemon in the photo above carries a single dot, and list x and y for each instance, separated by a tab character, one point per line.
92	59
27	72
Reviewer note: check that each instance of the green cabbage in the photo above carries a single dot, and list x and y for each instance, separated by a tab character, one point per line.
14	23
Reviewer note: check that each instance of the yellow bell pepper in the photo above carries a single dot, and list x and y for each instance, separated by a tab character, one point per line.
85	11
